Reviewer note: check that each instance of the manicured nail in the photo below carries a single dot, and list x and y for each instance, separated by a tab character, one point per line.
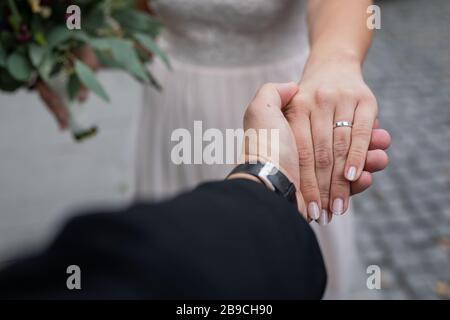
323	219
313	210
338	206
351	173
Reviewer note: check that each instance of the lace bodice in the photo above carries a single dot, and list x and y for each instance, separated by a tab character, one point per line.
232	32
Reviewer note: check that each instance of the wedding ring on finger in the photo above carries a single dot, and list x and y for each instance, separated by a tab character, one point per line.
339	124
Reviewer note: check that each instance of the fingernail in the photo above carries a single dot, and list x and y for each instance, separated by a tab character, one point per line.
313	210
338	206
351	173
323	219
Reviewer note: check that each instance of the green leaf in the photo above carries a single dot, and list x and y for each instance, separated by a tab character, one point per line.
37	54
2	56
40	38
19	67
154	82
96	19
47	66
7	82
106	60
136	21
100	43
73	86
125	54
58	35
80	35
150	45
8	40
87	77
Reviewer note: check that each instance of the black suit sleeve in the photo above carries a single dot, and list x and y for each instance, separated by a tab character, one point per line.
225	240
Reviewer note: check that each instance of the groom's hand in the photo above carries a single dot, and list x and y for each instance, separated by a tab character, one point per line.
269	137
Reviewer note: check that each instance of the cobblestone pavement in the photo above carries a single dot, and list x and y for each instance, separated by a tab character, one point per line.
404	220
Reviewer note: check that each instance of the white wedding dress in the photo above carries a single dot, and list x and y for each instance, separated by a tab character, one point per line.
221	51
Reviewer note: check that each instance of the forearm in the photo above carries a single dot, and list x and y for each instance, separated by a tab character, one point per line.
338	29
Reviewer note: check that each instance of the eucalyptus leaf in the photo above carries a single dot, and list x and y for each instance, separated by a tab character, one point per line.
73	86
87	77
47	65
58	35
19	67
37	54
100	43
7	82
7	40
150	45
106	60
95	20
125	54
153	81
80	35
39	37
2	56
136	21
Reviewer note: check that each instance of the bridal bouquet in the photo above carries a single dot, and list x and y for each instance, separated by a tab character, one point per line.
38	39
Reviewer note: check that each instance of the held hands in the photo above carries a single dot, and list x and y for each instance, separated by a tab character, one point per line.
273	108
335	162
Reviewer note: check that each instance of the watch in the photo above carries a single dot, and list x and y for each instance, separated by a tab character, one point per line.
271	177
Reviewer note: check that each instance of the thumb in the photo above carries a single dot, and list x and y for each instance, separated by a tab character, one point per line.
286	91
276	94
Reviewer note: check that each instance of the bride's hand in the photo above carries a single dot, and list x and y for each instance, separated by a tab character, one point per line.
332	90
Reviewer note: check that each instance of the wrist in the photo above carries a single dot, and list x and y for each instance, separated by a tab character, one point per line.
241	175
269	175
343	56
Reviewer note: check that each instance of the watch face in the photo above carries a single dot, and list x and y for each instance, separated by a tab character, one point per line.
269	169
272	178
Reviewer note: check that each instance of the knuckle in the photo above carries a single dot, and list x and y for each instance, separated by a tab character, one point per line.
369	98
356	154
340	183
367	95
362	130
347	94
305	157
325	96
323	157
299	105
324	194
308	189
341	147
300	100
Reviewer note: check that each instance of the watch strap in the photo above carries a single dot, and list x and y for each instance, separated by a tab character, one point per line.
270	176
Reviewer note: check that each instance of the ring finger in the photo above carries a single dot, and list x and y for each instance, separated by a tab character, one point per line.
340	187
